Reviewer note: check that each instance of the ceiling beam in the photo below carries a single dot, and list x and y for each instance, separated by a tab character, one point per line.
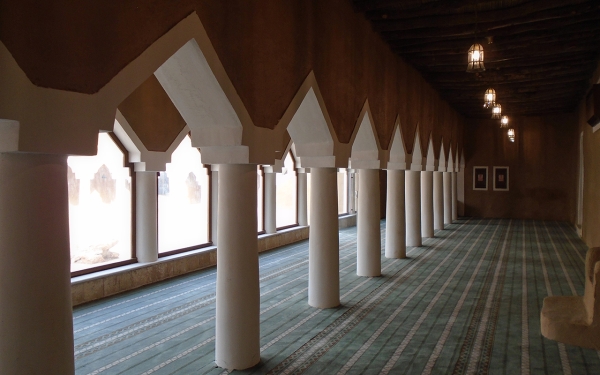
443	32
514	56
558	34
492	19
516	76
524	63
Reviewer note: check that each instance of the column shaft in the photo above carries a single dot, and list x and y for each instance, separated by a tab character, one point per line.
454	198
438	200
146	218
427	204
447	198
270	199
302	199
368	262
323	243
395	227
413	208
214	205
237	343
36	321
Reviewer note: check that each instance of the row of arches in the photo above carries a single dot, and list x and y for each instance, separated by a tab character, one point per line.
187	68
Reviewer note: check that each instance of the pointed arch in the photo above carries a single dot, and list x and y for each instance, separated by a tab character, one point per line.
431	163
143	159
451	160
366	150
418	162
398	158
442	163
309	126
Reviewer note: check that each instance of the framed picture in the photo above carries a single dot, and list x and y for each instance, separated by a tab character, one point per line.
501	178
480	178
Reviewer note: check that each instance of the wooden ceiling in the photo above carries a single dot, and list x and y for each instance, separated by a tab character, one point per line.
541	59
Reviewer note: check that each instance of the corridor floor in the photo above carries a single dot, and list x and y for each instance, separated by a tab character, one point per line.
467	302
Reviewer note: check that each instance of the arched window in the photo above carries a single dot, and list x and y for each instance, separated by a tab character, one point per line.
286	193
99	207
183	196
342	191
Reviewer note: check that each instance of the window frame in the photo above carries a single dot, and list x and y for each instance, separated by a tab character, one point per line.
133	259
209	221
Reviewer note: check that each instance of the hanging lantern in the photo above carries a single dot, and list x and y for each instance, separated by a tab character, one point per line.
511	134
489	98
504	122
475	59
496	111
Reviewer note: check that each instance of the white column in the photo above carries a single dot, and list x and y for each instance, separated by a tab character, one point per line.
270	198
146	219
438	200
302	197
237	343
447	197
368	255
454	198
214	203
36	321
323	243
427	204
395	227
413	208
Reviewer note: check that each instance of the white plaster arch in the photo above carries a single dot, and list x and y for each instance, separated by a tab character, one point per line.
451	158
398	158
309	126
431	163
196	93
277	166
418	162
143	159
442	163
365	145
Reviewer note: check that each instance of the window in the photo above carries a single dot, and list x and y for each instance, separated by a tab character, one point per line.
183	196
99	207
286	191
342	191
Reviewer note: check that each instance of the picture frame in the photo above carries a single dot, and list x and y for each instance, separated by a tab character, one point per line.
501	178
480	178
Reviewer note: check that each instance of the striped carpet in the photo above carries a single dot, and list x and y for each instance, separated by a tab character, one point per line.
467	302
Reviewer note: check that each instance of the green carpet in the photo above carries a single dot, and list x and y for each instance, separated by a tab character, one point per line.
467	302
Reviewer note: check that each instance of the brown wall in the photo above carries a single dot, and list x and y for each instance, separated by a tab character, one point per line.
591	184
542	167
